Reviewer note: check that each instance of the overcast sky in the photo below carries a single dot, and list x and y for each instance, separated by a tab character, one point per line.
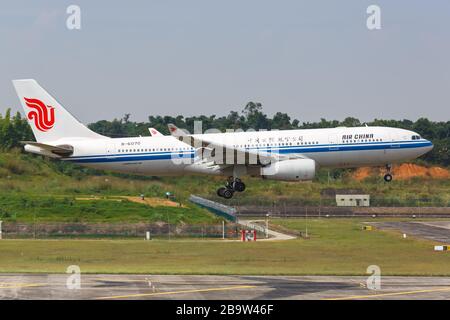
311	59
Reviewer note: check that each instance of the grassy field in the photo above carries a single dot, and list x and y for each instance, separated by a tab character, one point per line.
30	176
26	208
336	246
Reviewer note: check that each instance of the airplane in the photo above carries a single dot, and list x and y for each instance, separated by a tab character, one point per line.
285	155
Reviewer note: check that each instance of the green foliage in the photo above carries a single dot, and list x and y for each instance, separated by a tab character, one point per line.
48	208
13	130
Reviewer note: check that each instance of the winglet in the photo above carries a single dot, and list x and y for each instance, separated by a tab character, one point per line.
175	131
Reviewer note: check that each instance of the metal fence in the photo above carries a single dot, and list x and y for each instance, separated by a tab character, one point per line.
431	200
305	211
224	211
89	230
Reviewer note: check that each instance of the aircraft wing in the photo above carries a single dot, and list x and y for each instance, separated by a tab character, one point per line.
226	154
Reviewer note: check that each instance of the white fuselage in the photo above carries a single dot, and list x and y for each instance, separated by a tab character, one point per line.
336	147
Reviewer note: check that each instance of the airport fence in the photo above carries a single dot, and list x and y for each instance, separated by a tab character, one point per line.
220	209
289	211
282	205
41	230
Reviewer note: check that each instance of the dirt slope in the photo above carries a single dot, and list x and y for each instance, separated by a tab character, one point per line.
404	171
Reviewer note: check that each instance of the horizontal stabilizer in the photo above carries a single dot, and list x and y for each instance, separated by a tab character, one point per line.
62	150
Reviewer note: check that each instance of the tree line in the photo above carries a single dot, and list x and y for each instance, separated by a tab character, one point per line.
15	129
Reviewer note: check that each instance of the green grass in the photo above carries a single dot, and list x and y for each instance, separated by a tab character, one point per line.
336	246
24	208
27	174
33	188
30	176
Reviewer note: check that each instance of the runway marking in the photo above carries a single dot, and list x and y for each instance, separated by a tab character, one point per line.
21	285
389	294
121	280
175	292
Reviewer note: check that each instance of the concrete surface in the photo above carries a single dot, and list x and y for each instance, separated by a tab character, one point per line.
432	230
117	287
260	225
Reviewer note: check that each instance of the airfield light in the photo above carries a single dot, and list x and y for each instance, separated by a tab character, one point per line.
1	230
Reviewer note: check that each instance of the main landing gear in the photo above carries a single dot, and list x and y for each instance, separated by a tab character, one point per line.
388	175
232	185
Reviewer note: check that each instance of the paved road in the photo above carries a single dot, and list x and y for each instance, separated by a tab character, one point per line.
432	230
260	225
114	287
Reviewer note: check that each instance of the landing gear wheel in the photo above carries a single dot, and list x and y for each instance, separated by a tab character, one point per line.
227	193
388	177
220	191
238	186
232	185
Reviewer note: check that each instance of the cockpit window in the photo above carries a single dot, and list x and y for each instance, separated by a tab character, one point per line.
416	137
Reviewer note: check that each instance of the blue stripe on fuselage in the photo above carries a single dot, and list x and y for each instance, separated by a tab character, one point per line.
280	150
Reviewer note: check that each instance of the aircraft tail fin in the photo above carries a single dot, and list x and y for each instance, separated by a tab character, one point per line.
155	133
48	119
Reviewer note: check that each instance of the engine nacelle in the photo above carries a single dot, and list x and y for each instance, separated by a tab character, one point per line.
290	170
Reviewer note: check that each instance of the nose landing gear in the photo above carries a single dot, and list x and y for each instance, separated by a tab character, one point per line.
232	185
388	175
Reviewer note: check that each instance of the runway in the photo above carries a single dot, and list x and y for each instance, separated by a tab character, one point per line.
180	287
431	230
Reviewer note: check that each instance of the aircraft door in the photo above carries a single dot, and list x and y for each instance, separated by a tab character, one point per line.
333	141
111	149
392	139
335	158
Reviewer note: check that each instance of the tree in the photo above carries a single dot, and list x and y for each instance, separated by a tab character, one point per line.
256	119
281	121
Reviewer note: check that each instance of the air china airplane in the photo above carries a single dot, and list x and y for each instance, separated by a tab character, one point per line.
287	155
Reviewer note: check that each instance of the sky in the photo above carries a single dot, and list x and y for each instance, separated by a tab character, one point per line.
310	59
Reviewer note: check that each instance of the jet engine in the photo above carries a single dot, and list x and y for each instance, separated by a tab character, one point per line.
290	170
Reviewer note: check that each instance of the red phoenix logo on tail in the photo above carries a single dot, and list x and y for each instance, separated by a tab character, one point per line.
43	116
